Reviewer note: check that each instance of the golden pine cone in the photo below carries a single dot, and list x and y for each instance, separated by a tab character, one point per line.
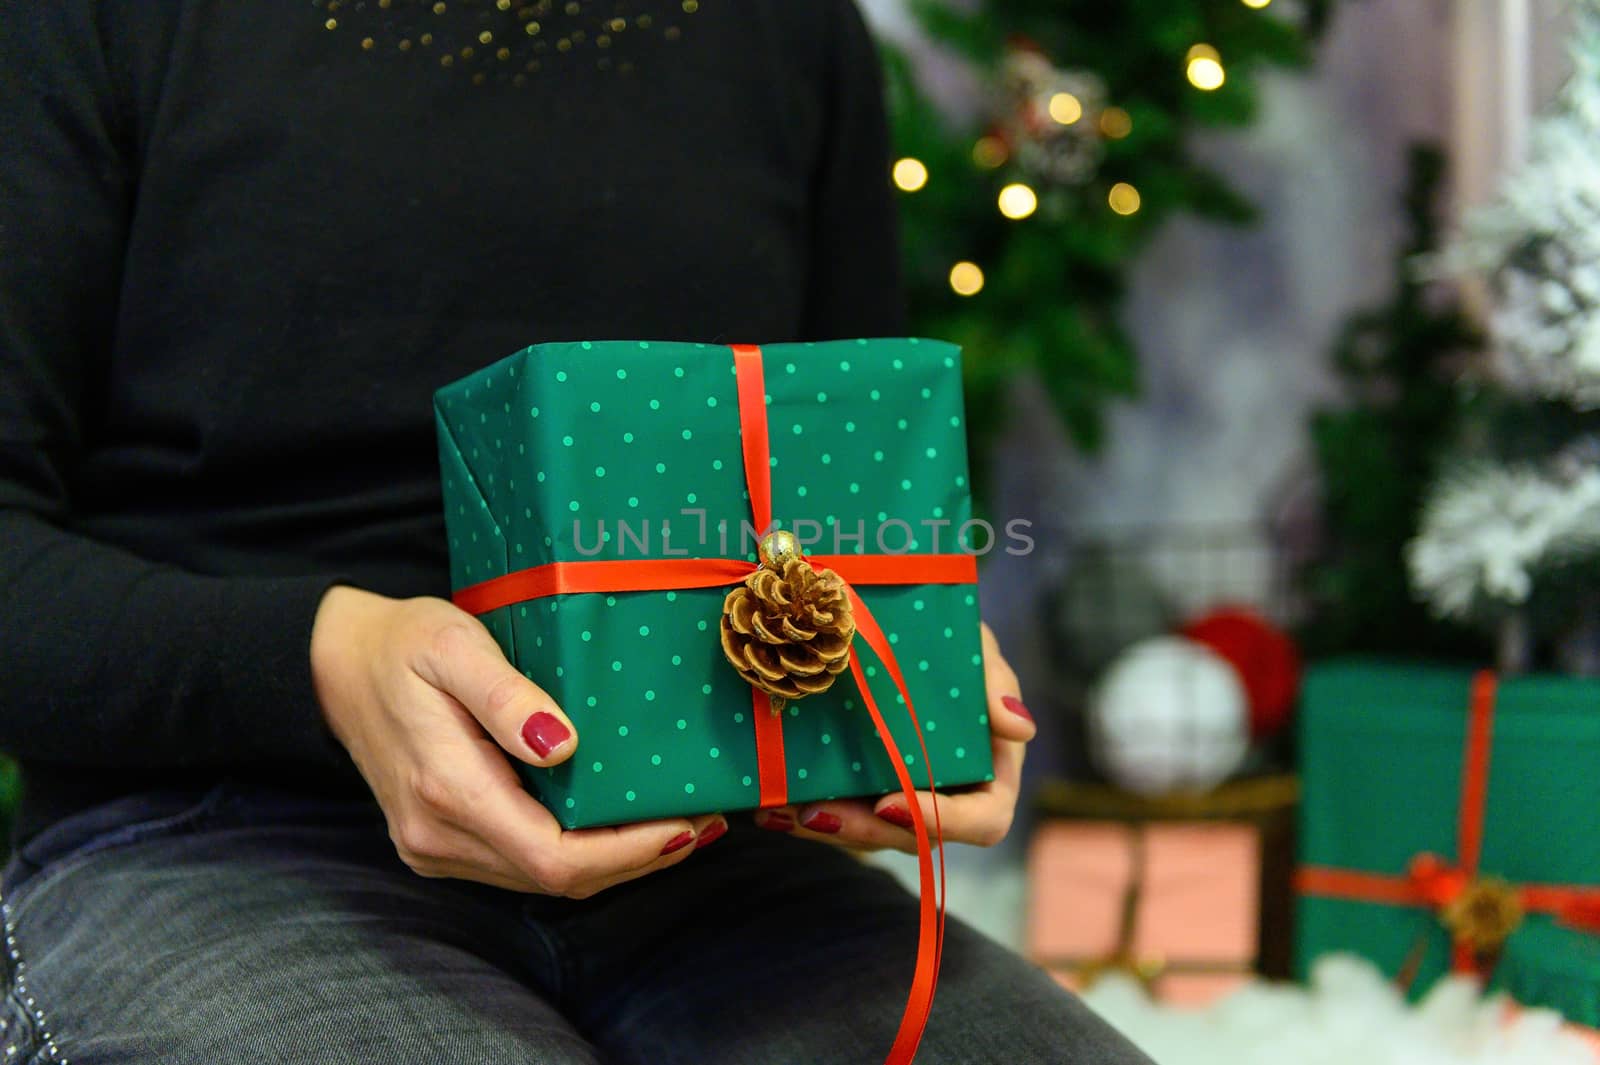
1484	915
787	630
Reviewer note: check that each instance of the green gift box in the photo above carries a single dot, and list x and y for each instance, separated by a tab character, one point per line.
1383	749
610	451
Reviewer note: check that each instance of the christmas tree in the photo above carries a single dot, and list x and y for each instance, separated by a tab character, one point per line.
1020	223
1511	530
1377	453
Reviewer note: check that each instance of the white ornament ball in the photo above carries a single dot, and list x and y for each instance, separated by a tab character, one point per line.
1169	715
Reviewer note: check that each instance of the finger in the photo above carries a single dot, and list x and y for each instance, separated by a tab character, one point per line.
1008	717
462	660
580	862
848	823
777	819
468	858
981	816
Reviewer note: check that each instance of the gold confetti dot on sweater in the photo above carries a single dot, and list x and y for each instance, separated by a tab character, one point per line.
332	24
503	54
485	37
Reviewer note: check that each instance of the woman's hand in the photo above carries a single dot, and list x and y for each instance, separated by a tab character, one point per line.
980	815
426	704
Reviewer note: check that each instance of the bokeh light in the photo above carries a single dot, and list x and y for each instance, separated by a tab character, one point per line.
966	278
1018	201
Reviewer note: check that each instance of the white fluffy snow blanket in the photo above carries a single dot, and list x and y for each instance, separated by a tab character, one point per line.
1350	1015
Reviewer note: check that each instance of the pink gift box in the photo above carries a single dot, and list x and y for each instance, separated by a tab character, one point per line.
1195	923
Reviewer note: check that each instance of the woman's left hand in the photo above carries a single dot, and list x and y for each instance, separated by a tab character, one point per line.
980	815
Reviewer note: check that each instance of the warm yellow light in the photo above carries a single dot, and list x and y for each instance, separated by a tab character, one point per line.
1257	4
1205	68
966	279
1065	108
1123	198
1116	123
1018	201
910	175
990	153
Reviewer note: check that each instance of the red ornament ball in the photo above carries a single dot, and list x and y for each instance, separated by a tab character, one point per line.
1265	657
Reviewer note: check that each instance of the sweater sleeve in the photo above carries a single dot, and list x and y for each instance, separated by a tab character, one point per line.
854	285
107	659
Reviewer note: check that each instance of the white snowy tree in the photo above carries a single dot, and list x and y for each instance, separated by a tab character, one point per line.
1491	527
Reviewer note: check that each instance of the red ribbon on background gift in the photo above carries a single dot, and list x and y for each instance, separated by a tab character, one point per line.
645	575
1433	883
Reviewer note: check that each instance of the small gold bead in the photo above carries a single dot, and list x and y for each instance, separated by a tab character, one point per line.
332	24
673	33
438	9
478	79
618	25
574	7
405	45
466	53
602	41
645	22
485	37
503	54
691	6
532	29
426	39
564	45
447	60
385	4
503	5
778	548
367	44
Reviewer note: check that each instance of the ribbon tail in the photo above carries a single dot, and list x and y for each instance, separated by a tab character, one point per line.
930	922
930	952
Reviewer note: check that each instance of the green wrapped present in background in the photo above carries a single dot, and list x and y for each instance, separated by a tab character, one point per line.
594	452
1448	821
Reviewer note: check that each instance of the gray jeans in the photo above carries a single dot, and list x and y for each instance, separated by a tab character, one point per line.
248	927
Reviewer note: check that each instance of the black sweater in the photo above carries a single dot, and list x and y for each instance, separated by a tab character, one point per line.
242	243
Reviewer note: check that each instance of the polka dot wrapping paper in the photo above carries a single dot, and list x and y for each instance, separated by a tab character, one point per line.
593	451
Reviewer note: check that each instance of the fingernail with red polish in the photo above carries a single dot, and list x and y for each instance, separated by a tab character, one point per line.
713	832
778	823
678	842
544	732
1012	703
897	815
822	821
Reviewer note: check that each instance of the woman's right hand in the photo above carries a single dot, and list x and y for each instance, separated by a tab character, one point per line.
427	705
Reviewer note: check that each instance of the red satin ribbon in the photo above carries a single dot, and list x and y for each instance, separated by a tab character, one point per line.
1432	882
635	575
